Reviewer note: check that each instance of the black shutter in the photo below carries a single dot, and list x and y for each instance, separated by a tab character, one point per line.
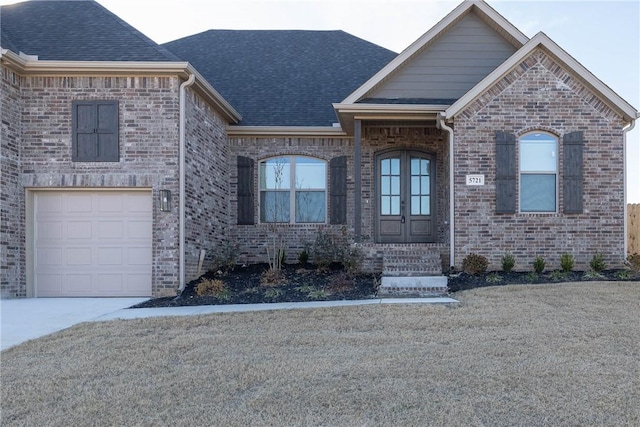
505	172
245	191
338	190
572	145
95	131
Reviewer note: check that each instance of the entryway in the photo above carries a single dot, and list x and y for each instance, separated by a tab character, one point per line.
405	197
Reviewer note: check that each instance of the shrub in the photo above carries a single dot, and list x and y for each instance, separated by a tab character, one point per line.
494	278
558	276
209	287
597	263
566	262
272	277
508	262
273	294
538	265
352	258
303	256
324	250
225	259
475	264
592	275
340	282
623	275
634	261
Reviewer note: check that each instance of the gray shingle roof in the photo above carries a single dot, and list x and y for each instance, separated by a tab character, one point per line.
75	31
282	78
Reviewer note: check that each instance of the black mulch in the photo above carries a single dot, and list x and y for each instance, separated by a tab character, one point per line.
308	283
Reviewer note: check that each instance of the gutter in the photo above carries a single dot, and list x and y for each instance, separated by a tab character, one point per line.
181	246
440	123
625	131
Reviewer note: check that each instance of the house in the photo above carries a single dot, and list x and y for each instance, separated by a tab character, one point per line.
123	160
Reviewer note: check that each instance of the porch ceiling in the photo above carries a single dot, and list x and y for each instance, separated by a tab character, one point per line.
348	113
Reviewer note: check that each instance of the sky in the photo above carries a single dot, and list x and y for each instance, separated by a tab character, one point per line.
604	36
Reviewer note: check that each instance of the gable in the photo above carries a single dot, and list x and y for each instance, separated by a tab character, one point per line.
449	66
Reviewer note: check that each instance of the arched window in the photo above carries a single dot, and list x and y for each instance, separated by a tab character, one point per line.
293	189
538	172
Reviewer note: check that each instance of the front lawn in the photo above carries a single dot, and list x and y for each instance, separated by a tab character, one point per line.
560	354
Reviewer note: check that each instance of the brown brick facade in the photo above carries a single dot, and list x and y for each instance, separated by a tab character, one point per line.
540	95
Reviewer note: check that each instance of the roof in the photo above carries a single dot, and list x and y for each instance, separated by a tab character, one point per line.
52	30
283	77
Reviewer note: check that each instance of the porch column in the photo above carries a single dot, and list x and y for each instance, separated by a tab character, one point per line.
357	172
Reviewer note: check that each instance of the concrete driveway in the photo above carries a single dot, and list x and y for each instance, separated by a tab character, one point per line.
29	318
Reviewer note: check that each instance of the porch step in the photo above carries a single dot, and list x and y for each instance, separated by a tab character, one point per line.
411	261
415	286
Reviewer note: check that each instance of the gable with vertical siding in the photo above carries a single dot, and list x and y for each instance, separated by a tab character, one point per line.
452	65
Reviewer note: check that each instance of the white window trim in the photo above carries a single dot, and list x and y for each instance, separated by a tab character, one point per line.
556	174
292	190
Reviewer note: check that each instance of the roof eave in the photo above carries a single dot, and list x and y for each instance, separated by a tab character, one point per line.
347	113
28	67
604	92
285	131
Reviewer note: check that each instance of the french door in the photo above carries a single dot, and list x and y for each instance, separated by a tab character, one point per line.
405	197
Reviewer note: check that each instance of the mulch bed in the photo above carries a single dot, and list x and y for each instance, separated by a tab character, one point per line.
305	282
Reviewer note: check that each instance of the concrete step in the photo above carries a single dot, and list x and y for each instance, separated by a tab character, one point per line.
413	286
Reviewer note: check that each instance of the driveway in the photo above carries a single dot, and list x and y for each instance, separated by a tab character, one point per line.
29	318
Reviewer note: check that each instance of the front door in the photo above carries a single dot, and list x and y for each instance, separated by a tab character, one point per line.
405	202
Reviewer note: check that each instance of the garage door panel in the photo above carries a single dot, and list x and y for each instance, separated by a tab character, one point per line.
78	203
111	256
110	230
83	246
79	229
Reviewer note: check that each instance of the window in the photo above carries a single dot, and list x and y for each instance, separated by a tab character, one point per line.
95	131
538	173
293	190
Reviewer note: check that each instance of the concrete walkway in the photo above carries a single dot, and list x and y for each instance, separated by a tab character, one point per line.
30	318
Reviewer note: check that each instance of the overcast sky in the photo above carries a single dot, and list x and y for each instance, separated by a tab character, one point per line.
602	35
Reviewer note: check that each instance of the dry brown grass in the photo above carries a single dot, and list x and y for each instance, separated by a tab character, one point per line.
516	355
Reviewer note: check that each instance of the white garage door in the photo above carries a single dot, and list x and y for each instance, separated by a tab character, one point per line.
92	243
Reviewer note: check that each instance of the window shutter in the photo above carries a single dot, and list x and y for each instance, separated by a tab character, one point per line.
572	144
245	191
505	172
95	131
338	189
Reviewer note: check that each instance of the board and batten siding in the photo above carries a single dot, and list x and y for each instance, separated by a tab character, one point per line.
452	65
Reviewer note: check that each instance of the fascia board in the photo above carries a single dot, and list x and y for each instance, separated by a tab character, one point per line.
435	31
288	131
542	40
120	68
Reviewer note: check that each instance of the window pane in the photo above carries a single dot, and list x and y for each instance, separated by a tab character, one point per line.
385	205
537	193
385	167
310	206
415	185
424	167
538	153
386	185
395	166
395	205
415	205
415	166
274	206
395	185
425	188
275	174
425	206
311	173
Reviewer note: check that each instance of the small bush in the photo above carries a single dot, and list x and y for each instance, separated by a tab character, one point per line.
303	256
324	250
494	278
634	262
208	287
352	258
558	276
272	277
475	264
340	282
225	259
597	263
508	262
531	277
273	294
566	262
592	275
623	275
538	265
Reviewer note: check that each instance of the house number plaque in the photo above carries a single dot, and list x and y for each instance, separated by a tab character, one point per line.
475	179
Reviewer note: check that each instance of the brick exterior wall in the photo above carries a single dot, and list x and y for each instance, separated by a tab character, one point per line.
206	185
12	253
539	94
253	239
149	117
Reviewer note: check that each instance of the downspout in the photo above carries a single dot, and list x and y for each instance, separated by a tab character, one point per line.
625	131
181	247
441	124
